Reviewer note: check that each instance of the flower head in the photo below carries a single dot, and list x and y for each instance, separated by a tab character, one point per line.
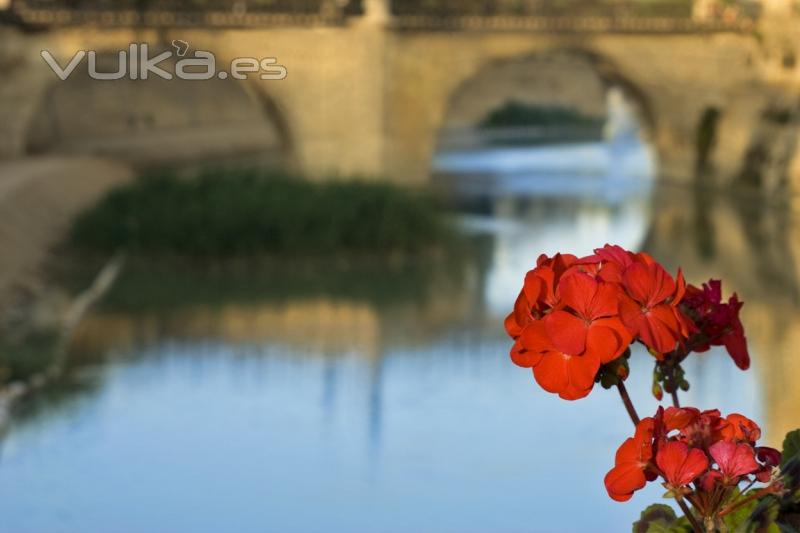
718	323
694	452
566	325
734	460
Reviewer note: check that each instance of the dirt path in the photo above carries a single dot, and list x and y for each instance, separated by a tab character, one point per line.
39	198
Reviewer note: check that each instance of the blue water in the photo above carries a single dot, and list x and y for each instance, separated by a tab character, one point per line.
211	418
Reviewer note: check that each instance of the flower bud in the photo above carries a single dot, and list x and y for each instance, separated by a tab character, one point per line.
658	392
608	380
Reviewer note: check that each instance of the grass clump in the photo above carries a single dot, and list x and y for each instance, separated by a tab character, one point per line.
22	359
517	114
244	213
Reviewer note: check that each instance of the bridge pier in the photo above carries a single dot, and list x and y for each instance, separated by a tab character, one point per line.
377	12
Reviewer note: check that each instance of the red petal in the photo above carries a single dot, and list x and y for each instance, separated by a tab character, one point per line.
736	344
663	284
572	393
634	450
582	371
571	377
535	338
615	254
631	314
606	339
523	357
621	481
577	290
695	464
679	418
537	285
606	301
661	329
611	273
680	288
567	332
551	373
734	460
710	479
679	464
740	428
511	326
637	282
648	284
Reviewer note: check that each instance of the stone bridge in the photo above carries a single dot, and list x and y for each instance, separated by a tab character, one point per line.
370	86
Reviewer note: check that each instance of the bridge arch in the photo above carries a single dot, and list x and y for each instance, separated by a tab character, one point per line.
158	121
563	77
416	119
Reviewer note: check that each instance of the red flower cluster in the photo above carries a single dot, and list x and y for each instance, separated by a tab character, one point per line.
574	315
695	452
573	322
718	323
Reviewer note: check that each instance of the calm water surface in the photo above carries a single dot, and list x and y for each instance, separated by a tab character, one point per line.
388	403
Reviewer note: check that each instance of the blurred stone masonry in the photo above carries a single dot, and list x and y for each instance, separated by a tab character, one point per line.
395	58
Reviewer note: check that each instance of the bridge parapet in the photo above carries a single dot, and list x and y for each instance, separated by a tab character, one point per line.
193	13
646	16
578	15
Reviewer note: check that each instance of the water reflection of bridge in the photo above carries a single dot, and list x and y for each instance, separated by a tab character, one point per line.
753	247
716	238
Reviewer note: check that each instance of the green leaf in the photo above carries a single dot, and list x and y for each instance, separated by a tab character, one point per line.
659	518
736	520
759	518
791	447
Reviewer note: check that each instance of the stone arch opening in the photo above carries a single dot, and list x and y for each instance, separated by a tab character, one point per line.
564	78
157	121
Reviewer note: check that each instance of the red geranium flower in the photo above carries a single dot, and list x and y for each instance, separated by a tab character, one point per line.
769	458
699	428
688	445
718	323
734	460
595	322
630	472
567	346
740	429
680	464
570	373
649	309
566	324
649	297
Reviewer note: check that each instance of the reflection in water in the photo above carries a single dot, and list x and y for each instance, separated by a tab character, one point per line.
385	402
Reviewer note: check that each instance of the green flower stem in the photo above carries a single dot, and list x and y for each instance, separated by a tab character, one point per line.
675	400
688	513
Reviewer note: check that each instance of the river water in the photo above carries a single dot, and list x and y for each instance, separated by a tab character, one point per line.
385	400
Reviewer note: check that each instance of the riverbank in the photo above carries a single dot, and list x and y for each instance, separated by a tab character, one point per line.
31	359
39	198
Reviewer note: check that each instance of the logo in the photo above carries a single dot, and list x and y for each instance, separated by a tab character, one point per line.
135	63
